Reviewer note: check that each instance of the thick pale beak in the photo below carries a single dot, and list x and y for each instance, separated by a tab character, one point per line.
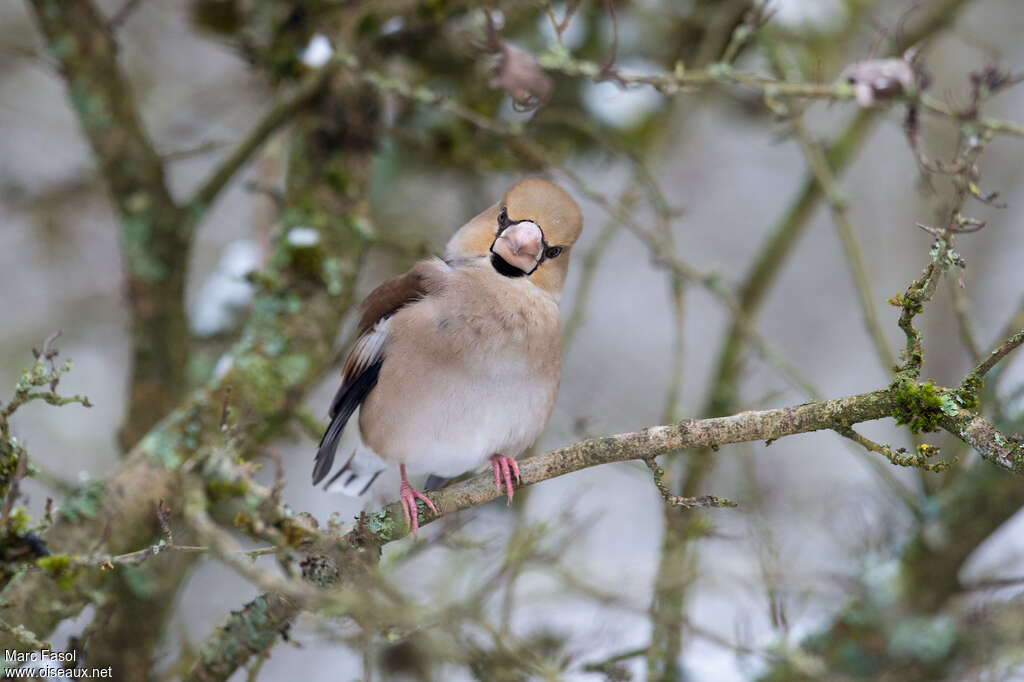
520	245
524	238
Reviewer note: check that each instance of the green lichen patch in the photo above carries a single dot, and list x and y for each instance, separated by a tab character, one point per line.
294	368
334	273
265	387
11	453
84	503
381	524
901	301
61	567
928	640
161	449
920	405
19	521
967	395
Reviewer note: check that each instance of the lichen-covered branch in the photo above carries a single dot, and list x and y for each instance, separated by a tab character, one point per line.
388	524
766	425
285	346
911	304
249	631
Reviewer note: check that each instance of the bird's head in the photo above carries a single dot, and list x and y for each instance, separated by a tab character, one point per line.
529	233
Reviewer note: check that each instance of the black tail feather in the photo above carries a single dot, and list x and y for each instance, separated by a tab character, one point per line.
352	476
349	397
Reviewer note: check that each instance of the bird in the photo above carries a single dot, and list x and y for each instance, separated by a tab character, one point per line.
458	360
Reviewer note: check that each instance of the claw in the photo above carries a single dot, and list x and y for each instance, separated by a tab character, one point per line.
408	496
504	469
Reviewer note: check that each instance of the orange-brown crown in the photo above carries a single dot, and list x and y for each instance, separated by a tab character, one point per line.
538	201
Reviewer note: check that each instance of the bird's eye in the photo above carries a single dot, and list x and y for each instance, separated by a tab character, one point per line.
553	252
503	218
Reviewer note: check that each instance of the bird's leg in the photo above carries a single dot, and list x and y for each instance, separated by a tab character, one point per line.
504	468
408	496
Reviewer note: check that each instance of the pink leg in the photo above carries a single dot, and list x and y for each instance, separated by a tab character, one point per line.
408	496
504	469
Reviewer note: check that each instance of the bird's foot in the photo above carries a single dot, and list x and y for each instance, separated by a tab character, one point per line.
504	469
408	495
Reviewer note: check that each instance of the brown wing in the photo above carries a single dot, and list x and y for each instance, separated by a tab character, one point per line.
362	366
400	290
422	279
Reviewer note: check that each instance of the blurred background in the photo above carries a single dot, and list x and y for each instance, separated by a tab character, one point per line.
818	524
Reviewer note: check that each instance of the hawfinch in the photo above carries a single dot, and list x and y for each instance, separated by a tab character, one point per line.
457	361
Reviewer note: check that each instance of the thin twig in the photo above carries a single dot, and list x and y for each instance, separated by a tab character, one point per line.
961	310
898	456
840	214
1000	352
280	114
696	502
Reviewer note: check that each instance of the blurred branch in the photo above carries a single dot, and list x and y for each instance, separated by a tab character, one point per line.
1015	322
201	149
251	630
155	238
154	246
285	346
559	60
925	588
990	125
724	390
968	336
840	214
608	665
122	15
770	260
588	268
730	27
986	365
722	397
304	94
771	88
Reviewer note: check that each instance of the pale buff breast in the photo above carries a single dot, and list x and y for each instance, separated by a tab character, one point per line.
468	372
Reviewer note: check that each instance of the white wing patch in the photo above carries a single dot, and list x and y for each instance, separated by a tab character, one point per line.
368	349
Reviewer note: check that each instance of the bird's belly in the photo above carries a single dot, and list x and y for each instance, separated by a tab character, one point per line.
464	420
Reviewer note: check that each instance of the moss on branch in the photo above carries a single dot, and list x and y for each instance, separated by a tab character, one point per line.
386	525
